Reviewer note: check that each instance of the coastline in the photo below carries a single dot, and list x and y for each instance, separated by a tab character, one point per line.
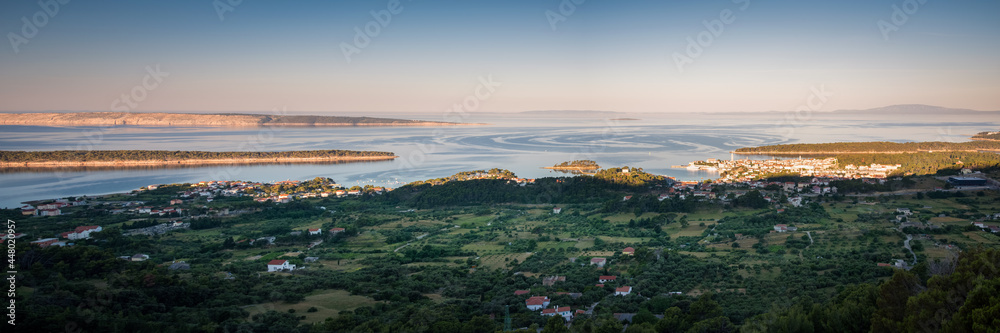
162	119
191	162
785	153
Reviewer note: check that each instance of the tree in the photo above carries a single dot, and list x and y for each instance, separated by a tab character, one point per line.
891	305
704	308
555	324
713	325
673	321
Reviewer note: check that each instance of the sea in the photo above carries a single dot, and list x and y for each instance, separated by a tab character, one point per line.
521	142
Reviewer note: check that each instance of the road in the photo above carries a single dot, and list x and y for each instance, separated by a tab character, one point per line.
906	244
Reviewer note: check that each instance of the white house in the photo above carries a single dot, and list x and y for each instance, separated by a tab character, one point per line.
49	212
784	228
606	278
623	291
279	265
556	210
563	311
315	231
81	232
535	303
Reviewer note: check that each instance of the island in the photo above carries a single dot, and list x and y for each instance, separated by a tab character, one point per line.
987	136
198	119
144	158
575	165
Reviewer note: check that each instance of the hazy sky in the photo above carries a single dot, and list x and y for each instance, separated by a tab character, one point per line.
624	55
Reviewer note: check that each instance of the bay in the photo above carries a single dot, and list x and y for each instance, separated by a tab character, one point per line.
520	142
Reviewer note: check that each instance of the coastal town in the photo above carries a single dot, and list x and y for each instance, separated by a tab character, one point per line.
748	169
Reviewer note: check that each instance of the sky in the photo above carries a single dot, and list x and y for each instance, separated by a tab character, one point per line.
497	56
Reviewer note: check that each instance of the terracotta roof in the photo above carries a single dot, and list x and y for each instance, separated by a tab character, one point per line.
628	249
536	300
624	289
276	262
607	277
521	292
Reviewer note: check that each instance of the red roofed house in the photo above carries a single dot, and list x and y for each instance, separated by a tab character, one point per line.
601	285
623	291
626	198
48	242
279	265
606	278
628	251
598	261
521	292
563	311
81	232
535	303
314	231
335	231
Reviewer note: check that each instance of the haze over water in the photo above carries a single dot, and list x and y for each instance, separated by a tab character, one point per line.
520	142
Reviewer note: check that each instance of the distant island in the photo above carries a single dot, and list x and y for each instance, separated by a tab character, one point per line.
197	119
880	147
575	165
143	158
987	136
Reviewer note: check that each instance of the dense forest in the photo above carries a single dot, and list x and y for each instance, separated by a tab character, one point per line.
165	155
871	147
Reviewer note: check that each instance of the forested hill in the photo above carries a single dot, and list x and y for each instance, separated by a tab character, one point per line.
883	147
155	157
193	119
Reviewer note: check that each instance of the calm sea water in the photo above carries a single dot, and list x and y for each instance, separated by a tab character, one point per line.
522	143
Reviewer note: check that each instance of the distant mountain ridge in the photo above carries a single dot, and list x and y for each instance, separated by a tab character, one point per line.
571	112
912	109
200	119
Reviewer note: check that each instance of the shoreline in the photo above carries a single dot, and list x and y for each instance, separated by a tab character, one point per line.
191	162
860	152
164	119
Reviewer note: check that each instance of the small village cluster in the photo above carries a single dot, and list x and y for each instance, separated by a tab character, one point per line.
541	303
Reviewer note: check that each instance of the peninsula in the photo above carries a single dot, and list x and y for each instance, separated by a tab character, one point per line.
197	119
145	158
880	147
